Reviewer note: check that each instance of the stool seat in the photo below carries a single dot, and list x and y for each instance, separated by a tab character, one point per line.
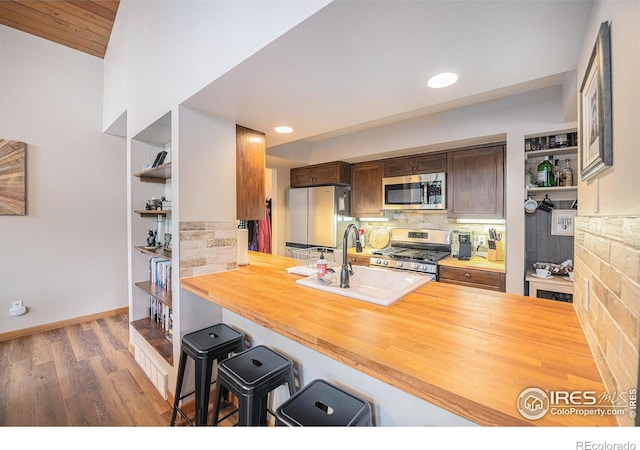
251	375
321	403
204	346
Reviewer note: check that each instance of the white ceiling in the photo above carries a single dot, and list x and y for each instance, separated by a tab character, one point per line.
357	64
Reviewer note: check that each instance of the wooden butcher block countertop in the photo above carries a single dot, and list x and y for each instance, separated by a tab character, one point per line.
467	350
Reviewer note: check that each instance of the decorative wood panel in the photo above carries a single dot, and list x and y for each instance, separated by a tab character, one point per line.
13	185
250	165
83	25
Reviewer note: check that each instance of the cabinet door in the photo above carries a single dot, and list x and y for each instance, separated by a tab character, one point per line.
399	167
332	173
321	175
366	189
250	165
301	177
475	183
429	163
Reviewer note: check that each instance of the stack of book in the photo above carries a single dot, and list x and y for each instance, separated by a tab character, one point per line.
160	272
159	312
162	315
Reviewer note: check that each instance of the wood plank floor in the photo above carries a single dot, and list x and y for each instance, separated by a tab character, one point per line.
81	375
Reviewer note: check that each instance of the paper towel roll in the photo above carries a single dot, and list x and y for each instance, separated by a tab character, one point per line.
243	247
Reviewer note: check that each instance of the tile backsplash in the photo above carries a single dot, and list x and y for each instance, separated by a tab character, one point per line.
433	220
208	247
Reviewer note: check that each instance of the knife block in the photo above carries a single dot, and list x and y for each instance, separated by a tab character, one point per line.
496	251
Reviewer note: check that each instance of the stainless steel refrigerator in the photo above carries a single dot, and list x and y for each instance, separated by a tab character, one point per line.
317	216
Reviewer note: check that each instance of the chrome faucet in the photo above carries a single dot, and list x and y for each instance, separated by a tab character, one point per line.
347	268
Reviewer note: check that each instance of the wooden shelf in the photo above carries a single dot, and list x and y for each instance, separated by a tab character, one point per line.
158	174
161	294
544	190
158	251
152	213
560	151
154	335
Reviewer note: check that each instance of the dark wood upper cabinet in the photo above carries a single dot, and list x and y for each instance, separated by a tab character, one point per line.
366	189
250	165
321	174
415	164
475	183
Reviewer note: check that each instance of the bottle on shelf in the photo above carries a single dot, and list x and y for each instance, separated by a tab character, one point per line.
532	180
545	173
567	174
557	178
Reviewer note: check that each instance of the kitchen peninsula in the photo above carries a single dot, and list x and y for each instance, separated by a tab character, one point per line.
467	351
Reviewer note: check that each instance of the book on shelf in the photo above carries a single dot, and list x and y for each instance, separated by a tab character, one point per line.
162	316
160	272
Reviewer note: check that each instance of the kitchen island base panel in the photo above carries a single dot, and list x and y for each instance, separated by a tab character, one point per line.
390	406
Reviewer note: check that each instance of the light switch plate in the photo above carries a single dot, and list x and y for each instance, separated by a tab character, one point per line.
586	294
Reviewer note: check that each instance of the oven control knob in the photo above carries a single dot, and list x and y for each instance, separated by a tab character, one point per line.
399	264
378	261
386	263
423	267
415	266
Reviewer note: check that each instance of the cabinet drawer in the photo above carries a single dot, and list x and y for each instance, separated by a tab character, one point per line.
359	259
471	277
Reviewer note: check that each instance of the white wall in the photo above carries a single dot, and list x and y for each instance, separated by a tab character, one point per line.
206	160
617	191
67	257
513	117
162	52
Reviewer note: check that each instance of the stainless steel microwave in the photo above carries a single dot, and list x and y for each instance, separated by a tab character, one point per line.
426	191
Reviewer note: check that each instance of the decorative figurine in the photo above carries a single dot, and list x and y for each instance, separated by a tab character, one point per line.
151	239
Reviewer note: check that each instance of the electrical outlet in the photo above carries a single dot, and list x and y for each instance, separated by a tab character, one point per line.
17	304
482	240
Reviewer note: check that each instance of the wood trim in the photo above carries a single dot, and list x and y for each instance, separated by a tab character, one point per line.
61	324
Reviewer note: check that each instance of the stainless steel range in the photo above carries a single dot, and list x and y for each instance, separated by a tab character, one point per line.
416	250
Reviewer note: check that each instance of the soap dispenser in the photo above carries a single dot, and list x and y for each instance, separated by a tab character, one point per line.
321	266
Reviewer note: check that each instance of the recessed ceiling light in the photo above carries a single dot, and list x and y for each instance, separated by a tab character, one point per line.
442	80
284	130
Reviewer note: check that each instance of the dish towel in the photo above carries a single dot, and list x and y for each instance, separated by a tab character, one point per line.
264	234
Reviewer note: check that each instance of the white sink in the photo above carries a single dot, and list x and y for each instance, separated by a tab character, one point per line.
379	286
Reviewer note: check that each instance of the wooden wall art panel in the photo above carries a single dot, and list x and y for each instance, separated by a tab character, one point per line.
13	181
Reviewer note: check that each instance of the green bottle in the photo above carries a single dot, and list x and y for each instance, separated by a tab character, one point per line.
545	173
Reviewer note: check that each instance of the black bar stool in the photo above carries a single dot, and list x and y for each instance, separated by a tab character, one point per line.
205	346
320	403
251	376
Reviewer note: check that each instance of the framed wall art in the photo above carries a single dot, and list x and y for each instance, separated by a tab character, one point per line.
596	149
13	181
563	222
